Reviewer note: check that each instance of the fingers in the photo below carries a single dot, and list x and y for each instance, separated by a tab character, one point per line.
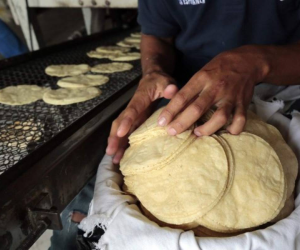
120	152
216	122
118	156
77	216
126	124
112	147
191	114
113	140
239	120
150	89
142	100
137	105
117	138
177	104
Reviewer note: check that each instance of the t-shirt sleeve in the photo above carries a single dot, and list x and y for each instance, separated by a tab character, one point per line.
155	18
295	34
295	37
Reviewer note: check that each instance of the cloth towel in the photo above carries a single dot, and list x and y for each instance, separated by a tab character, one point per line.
126	228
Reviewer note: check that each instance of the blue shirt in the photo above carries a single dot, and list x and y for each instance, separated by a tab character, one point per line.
10	45
204	28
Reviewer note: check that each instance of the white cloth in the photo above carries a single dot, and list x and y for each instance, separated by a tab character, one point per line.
127	229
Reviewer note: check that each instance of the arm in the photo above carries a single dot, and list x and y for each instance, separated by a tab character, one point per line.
281	63
157	54
157	64
227	82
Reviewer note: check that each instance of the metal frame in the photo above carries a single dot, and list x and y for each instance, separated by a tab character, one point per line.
84	3
23	14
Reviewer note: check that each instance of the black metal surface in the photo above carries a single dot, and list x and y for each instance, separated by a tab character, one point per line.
65	144
47	121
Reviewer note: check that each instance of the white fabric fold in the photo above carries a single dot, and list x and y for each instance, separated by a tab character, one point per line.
289	94
266	109
127	229
108	198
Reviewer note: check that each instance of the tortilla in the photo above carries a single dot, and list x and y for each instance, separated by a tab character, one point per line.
272	136
132	40
67	70
126	44
248	178
184	188
151	217
126	57
69	96
149	126
82	81
21	94
112	49
116	56
258	192
111	67
136	34
155	152
99	55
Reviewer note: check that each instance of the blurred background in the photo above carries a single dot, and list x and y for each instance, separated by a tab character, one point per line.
28	25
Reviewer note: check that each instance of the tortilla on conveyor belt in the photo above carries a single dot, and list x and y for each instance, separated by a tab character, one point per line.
111	67
132	40
82	81
99	55
21	94
126	57
67	70
224	183
116	56
112	49
125	44
70	96
136	34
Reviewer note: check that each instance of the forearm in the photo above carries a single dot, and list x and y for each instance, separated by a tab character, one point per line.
157	55
279	65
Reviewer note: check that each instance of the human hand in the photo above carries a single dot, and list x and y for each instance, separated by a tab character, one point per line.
226	82
152	86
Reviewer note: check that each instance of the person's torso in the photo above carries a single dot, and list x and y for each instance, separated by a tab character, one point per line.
208	27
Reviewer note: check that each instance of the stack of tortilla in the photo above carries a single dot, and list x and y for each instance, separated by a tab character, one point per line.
221	183
114	53
131	42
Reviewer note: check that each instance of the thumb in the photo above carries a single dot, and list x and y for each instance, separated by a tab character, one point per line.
164	88
170	91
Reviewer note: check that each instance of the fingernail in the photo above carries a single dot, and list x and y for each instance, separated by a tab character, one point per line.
118	132
197	133
172	131
162	121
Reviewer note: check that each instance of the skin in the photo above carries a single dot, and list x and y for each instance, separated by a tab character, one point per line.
225	83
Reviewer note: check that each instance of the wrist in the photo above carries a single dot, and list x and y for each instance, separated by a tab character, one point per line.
153	70
155	73
258	56
155	64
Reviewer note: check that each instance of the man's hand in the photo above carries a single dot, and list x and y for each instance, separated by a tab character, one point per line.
226	82
152	86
